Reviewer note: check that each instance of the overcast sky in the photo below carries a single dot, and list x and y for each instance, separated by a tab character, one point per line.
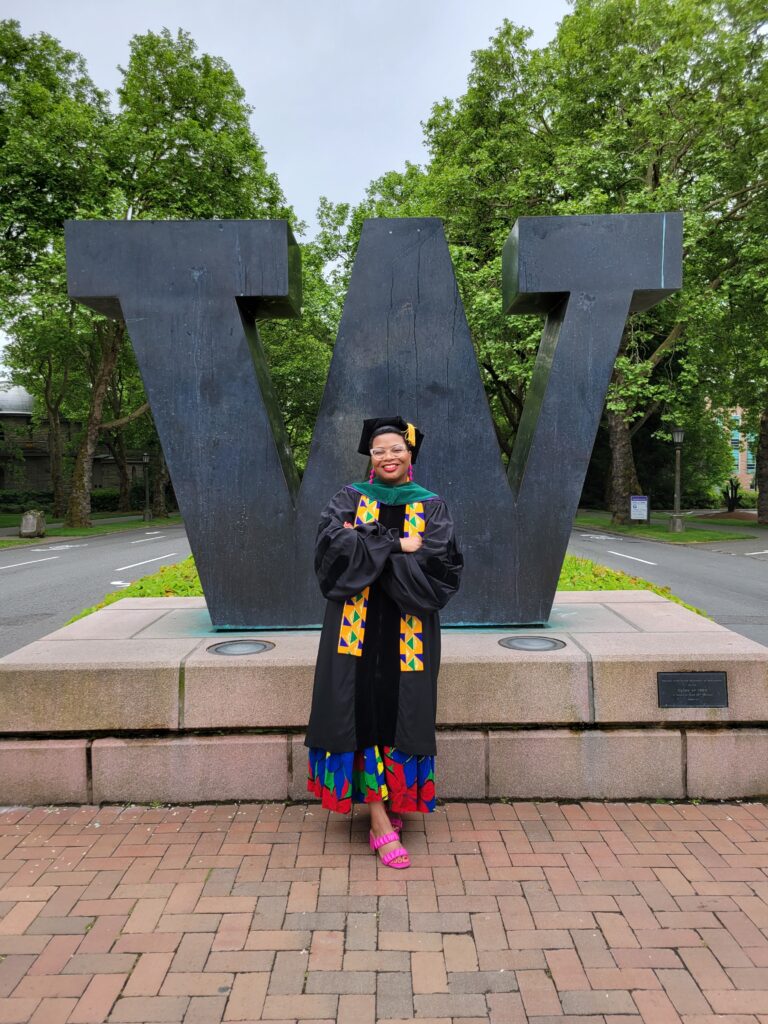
338	87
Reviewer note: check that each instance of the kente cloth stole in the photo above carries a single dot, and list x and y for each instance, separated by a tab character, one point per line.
352	632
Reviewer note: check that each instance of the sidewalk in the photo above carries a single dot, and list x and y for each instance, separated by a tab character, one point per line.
607	913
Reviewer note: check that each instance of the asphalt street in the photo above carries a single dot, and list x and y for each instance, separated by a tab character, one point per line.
727	580
42	586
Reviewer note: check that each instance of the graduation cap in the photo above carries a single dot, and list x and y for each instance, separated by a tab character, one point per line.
390	425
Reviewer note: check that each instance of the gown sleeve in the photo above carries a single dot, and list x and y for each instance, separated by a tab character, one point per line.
425	580
347	561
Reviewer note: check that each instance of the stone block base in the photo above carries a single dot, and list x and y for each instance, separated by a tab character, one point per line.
190	769
132	704
471	764
43	772
620	764
725	761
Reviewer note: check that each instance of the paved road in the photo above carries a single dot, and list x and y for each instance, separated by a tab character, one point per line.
727	580
44	585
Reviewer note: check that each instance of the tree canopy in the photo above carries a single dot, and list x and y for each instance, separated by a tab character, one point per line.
179	145
635	106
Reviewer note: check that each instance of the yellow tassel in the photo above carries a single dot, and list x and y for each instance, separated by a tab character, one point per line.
410	435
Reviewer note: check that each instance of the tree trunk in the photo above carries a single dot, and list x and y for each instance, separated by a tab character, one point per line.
55	443
761	469
110	337
116	444
56	455
124	501
622	476
159	481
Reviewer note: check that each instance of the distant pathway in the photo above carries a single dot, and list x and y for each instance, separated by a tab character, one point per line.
597	913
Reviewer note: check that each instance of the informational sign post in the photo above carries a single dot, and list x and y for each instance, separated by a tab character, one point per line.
639	508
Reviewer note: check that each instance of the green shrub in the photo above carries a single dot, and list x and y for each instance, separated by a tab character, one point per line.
748	499
105	499
703	498
137	494
17	502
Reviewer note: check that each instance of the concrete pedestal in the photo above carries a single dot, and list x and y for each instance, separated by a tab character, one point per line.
129	704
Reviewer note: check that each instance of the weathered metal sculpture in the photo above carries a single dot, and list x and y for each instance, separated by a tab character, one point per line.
191	293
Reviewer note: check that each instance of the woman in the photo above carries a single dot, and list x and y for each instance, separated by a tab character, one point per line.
387	561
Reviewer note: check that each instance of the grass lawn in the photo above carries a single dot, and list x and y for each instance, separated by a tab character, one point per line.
729	521
594	519
90	531
181	580
177	580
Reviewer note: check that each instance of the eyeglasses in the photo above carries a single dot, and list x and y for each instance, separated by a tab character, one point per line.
396	449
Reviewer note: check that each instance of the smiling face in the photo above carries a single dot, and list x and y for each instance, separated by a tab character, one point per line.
392	466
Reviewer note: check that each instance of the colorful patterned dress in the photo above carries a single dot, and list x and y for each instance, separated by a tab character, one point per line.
371	730
363	776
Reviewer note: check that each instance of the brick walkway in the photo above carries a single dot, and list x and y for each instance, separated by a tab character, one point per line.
604	913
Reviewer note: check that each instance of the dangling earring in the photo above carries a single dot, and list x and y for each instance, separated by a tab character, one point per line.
370	478
410	472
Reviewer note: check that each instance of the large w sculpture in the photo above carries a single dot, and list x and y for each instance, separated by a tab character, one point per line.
191	294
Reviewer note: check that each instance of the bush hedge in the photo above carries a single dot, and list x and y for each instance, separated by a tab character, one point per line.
12	502
747	499
103	499
107	499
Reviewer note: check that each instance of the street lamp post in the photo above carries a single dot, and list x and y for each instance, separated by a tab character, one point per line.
676	524
147	509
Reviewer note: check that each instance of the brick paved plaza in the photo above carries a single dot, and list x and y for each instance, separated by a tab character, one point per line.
510	913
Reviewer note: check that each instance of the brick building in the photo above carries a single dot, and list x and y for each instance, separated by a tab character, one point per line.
743	452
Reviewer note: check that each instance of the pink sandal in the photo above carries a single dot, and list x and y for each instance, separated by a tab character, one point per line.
386	858
395	822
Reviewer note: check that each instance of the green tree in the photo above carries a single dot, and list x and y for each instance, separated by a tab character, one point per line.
52	119
636	105
660	108
42	359
299	350
180	146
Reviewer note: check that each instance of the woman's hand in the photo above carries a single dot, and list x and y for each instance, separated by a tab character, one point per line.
412	543
407	544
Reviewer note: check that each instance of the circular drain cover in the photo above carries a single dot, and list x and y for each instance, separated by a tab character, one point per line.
241	647
532	643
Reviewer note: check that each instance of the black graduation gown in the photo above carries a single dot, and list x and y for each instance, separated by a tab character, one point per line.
366	700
